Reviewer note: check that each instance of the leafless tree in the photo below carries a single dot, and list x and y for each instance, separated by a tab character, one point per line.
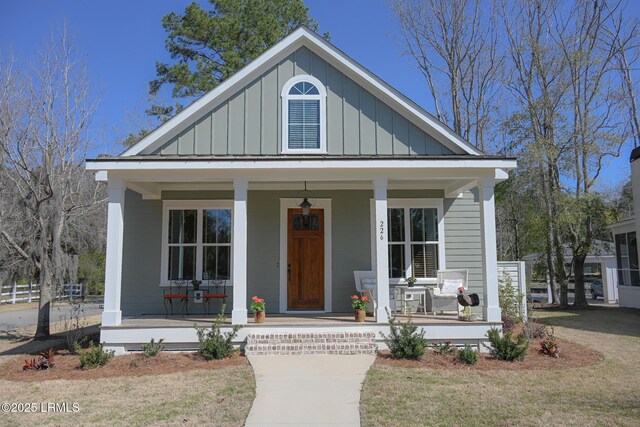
455	45
45	118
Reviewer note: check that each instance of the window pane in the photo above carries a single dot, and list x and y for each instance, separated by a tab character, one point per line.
424	225
395	219
312	223
632	248
217	262
182	226
182	262
304	124
303	88
396	261
217	226
424	260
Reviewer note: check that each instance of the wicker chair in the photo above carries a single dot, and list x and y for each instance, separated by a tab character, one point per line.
366	286
444	297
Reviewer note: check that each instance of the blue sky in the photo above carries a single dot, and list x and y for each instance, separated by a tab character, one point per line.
122	40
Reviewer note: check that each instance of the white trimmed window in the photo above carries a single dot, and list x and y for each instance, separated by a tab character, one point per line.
415	234
196	240
303	116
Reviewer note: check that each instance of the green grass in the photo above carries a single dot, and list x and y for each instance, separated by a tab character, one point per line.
603	394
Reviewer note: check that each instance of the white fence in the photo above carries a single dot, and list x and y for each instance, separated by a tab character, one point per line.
13	293
516	271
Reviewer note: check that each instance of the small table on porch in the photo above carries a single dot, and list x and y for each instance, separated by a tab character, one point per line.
404	295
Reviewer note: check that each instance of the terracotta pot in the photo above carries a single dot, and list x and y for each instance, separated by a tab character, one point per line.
360	315
260	316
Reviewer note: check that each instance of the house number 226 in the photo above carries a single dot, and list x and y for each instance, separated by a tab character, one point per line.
381	230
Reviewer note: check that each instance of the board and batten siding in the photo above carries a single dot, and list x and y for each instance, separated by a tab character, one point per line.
250	121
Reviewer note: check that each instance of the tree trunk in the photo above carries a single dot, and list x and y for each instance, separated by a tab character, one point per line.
578	277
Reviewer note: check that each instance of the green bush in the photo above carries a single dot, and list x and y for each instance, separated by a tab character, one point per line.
504	348
443	348
468	355
509	297
94	356
153	348
403	340
213	343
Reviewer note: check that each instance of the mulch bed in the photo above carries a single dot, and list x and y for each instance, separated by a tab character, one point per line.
67	366
571	355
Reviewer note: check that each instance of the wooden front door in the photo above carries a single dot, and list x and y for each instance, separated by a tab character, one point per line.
305	260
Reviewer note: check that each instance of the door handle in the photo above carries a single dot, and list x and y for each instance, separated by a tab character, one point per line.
289	272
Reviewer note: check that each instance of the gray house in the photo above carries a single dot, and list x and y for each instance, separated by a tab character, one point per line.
216	193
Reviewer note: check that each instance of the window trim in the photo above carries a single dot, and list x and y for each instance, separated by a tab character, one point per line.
418	203
322	97
198	205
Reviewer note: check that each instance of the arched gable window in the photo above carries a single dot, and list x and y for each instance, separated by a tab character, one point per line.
303	116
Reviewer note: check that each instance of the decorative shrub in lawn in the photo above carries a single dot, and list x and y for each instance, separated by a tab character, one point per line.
549	345
44	361
535	330
153	348
404	341
442	348
468	355
509	297
94	356
213	343
504	348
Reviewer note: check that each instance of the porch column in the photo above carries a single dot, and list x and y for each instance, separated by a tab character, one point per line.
112	315
239	313
382	248
491	306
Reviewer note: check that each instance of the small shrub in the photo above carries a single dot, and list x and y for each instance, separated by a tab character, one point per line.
549	345
504	348
403	340
509	297
468	355
442	348
535	330
213	343
44	361
94	356
509	323
153	348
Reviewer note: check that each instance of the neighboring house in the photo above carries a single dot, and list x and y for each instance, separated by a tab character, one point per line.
626	245
217	189
601	257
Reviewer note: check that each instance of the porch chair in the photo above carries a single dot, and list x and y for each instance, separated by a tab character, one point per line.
444	297
216	289
177	292
366	286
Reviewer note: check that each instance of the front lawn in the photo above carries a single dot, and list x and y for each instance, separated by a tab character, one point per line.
602	394
220	394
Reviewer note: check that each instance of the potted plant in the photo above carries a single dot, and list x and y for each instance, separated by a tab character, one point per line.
411	281
258	308
196	284
359	307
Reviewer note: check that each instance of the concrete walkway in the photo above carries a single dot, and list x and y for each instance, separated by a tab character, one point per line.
309	390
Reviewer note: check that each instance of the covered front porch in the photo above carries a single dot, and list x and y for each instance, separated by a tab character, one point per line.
179	332
262	195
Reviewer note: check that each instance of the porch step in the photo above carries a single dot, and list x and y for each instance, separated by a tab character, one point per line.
311	343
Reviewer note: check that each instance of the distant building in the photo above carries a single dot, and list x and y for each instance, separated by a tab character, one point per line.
626	246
